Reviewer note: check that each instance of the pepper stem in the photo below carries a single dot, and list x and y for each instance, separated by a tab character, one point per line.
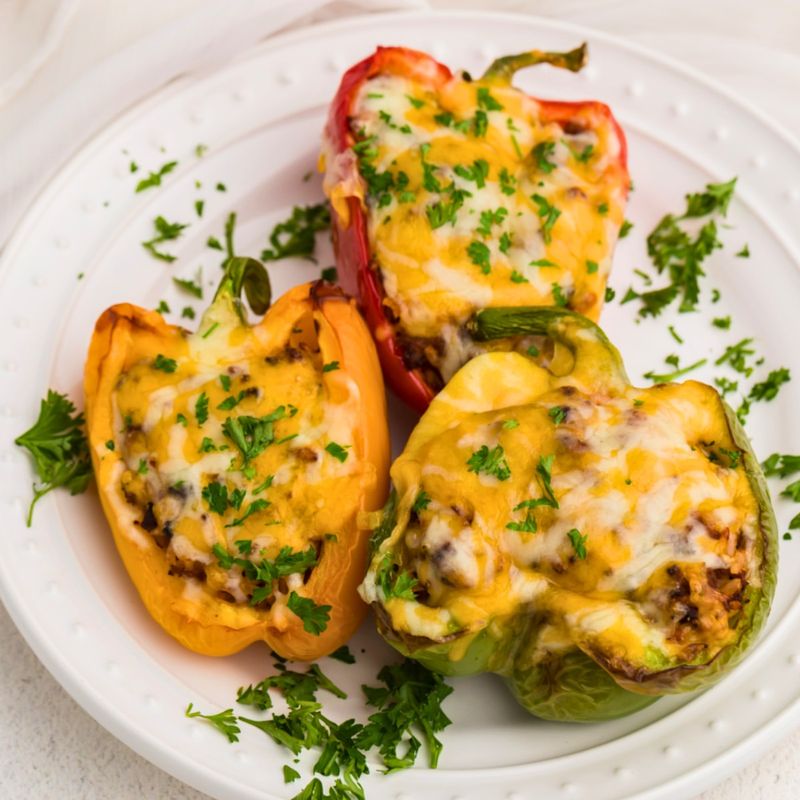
594	355
242	272
502	69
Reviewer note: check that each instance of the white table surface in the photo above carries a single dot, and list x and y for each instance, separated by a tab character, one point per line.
49	747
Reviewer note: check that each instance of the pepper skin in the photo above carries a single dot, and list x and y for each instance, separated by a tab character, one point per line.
417	318
596	544
171	413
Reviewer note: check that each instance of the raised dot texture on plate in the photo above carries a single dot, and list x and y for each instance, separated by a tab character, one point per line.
635	89
623	773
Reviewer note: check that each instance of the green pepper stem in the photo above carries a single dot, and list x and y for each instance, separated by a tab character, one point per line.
595	357
502	69
227	308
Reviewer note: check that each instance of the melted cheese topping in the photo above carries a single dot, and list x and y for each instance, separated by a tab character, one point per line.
668	526
175	440
536	209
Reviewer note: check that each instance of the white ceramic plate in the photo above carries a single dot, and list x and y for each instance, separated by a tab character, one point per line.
261	119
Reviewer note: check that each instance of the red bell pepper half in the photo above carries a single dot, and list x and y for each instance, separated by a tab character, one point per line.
356	264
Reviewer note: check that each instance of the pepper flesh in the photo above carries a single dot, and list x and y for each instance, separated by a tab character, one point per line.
618	546
164	530
413	366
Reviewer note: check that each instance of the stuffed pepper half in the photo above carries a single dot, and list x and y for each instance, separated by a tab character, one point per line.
595	543
233	463
450	195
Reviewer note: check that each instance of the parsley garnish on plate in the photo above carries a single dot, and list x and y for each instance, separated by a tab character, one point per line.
154	178
57	443
224	721
343	654
165	232
679	254
193	288
296	236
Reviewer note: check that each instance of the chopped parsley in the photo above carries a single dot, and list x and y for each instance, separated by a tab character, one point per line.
344	655
394	582
592	267
329	275
296	236
339	452
510	424
143	468
252	435
190	287
768	389
559	298
165	232
736	356
254	507
290	774
165	364
674	334
187	312
544	471
744	252
678	254
478	253
477	173
224	722
548	214
415	101
490	462
625	228
201	408
315	617
480	124
780	465
558	414
541	154
163	307
421	502
671	376
486	101
154	178
199	205
331	366
518	277
216	496
723	323
508	183
57	443
578	542
489	218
